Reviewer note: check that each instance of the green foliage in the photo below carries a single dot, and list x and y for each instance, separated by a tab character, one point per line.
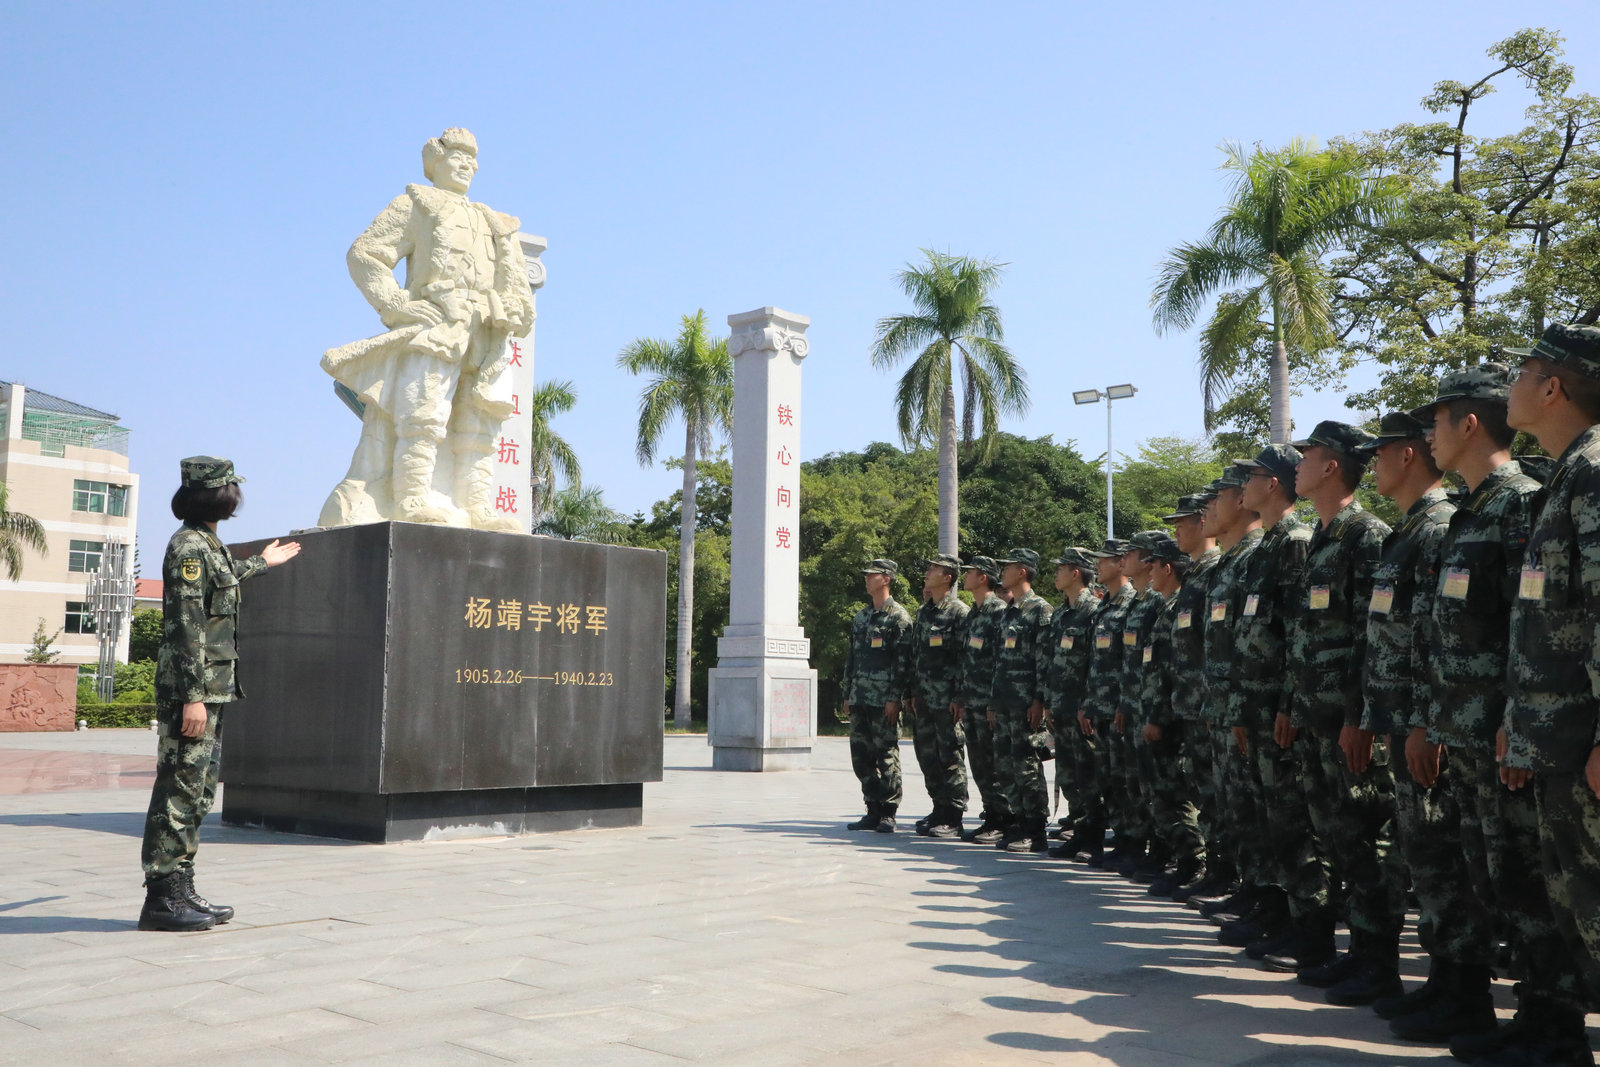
18	532
39	651
580	513
1499	234
134	682
117	716
549	452
1035	494
144	634
1167	468
86	693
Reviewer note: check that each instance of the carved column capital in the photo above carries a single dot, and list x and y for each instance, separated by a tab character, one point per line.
769	329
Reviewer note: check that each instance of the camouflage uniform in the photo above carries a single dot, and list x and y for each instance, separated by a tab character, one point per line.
1189	693
1352	814
1070	640
1395	696
1553	715
1174	818
1268	788
872	678
933	662
1137	628
980	641
1242	844
196	664
1104	682
1021	666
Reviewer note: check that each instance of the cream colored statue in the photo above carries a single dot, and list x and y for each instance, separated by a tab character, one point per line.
434	386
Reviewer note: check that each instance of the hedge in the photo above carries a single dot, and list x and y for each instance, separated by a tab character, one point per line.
117	716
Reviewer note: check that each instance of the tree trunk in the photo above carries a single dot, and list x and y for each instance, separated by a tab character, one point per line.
949	527
1278	384
969	405
682	713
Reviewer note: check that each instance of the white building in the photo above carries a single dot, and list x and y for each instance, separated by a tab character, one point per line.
67	466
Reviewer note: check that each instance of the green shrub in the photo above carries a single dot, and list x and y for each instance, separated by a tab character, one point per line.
135	696
117	716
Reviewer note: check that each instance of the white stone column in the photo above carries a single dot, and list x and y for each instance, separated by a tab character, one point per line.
512	471
763	692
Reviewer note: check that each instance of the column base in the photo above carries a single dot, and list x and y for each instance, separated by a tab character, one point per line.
726	758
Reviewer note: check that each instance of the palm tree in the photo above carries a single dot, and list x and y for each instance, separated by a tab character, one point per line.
691	377
953	317
17	532
549	452
1289	207
580	513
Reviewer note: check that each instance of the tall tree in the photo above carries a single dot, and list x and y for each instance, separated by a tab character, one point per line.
1288	209
580	513
691	377
549	452
954	318
1497	236
17	532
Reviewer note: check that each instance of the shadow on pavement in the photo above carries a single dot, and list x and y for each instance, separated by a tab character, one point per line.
1147	973
62	924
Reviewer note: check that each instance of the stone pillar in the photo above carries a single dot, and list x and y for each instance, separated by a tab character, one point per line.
512	472
763	692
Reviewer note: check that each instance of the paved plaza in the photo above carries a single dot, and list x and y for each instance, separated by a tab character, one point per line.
740	924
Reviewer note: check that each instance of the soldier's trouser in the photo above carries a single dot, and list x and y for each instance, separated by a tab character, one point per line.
980	753
1428	833
1500	841
875	755
1174	819
1139	822
1017	764
1199	783
1087	802
938	739
1353	816
1066	766
1113	786
1294	858
1569	840
1236	818
184	791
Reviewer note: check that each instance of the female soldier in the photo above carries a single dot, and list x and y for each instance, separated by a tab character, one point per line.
194	679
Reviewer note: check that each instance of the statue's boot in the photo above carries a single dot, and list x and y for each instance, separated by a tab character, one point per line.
475	488
414	459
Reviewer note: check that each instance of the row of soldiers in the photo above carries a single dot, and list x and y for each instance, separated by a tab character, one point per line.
1289	725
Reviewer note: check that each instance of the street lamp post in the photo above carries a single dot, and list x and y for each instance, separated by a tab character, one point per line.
1093	396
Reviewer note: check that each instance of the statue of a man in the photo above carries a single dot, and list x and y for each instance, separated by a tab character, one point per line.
435	387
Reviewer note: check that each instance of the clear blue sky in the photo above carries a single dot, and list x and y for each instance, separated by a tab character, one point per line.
185	180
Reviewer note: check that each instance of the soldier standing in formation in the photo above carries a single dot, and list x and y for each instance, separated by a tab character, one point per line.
873	676
933	662
1287	723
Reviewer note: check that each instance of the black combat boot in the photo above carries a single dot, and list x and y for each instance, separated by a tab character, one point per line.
920	827
869	820
1377	976
1555	1036
1265	918
1215	883
221	912
996	834
1094	847
886	818
1189	871
1133	858
948	826
1463	1006
1239	902
1311	947
1440	975
985	824
166	907
1154	865
1031	837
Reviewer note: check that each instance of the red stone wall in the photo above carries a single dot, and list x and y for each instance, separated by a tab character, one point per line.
38	696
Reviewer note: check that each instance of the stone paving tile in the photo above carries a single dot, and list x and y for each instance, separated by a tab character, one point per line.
742	924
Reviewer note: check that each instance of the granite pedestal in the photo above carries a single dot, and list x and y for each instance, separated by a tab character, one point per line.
405	681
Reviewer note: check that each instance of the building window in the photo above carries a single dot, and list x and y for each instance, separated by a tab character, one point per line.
99	498
83	557
80	620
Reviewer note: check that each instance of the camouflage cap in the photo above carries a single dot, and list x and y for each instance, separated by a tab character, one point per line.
1577	347
1025	556
1279	461
1145	540
984	565
1075	556
1233	477
1399	426
1114	546
207	472
1167	551
943	559
1337	437
1188	505
882	566
1486	381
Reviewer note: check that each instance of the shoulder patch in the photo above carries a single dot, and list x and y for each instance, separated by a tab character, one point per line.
190	569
